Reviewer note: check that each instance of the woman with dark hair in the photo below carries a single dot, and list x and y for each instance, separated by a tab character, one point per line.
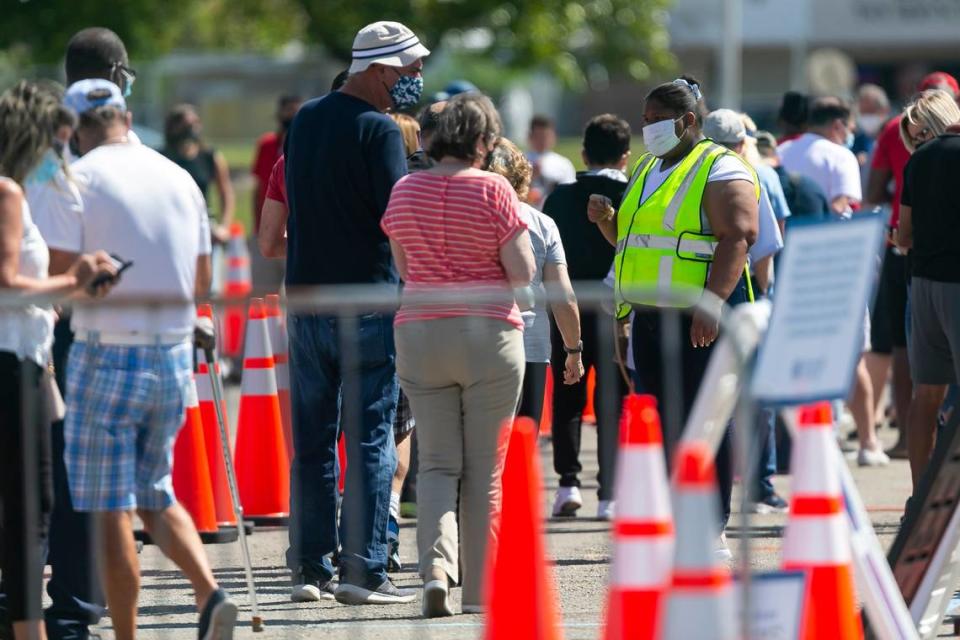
456	233
29	117
686	221
183	144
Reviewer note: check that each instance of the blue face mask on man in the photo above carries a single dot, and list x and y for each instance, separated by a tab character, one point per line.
407	91
46	170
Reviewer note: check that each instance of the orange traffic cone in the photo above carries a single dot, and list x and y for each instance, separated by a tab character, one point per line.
226	519
191	476
278	344
589	412
238	285
546	416
643	526
700	603
817	538
263	471
520	596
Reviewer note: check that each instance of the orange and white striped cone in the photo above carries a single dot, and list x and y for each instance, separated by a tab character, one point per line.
263	471
643	526
278	343
700	604
226	519
817	539
238	285
191	474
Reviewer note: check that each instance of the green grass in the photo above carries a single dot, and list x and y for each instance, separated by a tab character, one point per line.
239	156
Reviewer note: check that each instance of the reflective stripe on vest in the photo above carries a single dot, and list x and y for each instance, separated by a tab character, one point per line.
702	248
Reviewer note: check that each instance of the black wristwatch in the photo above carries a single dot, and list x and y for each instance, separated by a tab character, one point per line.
576	349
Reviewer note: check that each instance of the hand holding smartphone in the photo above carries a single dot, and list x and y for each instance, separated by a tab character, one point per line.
119	264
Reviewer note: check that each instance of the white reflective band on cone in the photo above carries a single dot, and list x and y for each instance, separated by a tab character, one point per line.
817	540
811	464
641	564
700	615
696	524
258	382
258	341
204	390
639	469
191	400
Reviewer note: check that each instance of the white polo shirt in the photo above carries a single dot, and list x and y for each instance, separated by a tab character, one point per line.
830	165
137	204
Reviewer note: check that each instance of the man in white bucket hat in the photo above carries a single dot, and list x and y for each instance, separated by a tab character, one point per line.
343	156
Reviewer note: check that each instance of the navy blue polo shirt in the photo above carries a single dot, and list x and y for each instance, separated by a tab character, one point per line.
342	159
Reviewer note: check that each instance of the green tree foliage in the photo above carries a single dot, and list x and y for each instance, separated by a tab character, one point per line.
576	40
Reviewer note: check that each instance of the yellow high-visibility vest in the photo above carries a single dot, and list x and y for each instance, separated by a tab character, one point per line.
664	249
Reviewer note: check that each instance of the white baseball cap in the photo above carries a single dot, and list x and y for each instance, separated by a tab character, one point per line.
86	95
387	43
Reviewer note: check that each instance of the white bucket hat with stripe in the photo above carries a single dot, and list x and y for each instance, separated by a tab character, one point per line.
387	43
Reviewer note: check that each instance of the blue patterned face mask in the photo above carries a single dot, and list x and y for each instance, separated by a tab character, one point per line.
407	91
46	170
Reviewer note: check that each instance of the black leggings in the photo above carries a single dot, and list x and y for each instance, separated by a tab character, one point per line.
24	524
531	397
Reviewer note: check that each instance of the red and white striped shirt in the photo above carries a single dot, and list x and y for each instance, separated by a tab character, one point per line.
451	229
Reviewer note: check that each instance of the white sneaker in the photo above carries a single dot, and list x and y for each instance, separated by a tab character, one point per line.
435	602
605	510
721	550
567	503
872	458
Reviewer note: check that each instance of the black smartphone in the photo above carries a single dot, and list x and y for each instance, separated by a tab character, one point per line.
119	264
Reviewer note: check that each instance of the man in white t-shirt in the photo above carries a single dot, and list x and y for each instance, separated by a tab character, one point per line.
549	167
129	370
823	155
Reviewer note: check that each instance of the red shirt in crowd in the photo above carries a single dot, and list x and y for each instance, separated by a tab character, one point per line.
451	229
277	184
890	153
268	150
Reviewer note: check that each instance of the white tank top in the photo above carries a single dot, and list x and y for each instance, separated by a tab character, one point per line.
28	332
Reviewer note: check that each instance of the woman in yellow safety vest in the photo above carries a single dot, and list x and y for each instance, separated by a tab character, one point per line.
687	218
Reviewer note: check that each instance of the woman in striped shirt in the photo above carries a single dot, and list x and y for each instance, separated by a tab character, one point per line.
462	250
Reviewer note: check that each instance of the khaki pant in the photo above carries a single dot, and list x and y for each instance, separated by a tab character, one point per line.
463	377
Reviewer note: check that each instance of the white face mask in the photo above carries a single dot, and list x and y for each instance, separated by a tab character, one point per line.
871	123
660	138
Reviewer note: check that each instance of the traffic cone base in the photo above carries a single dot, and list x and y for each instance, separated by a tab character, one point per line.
191	476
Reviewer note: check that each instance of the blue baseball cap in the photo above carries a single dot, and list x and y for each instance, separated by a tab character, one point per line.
86	95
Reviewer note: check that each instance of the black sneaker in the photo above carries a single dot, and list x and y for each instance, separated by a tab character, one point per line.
771	504
386	593
308	588
218	617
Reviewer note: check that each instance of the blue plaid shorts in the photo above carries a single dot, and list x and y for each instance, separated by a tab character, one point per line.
125	406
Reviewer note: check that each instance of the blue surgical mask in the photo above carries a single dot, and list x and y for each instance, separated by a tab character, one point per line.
849	140
407	91
46	170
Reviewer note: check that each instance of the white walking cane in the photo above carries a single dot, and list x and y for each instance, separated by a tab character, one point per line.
204	338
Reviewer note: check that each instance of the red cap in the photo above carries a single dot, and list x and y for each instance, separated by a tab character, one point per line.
640	423
204	311
815	415
273	305
257	311
939	80
695	465
237	230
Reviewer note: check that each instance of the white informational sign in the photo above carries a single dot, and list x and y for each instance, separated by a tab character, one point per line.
776	604
825	282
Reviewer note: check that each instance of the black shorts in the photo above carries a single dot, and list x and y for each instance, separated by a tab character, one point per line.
888	324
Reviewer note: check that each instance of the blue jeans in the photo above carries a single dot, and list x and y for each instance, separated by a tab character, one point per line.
767	440
330	370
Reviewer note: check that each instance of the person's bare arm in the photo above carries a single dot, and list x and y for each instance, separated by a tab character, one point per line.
563	304
399	258
840	204
601	212
77	274
273	225
516	256
224	190
904	233
204	276
733	212
761	273
877	192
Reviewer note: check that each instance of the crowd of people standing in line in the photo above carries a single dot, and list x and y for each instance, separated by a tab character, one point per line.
446	206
